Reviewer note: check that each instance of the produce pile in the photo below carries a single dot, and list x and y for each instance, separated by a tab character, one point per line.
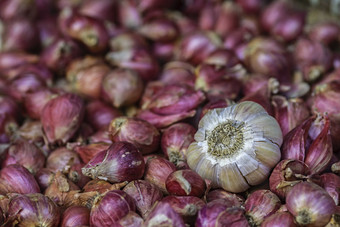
168	113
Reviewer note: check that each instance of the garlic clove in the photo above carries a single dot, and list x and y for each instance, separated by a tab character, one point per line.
267	153
255	177
231	179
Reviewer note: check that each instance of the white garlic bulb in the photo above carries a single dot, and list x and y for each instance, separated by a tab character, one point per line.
236	147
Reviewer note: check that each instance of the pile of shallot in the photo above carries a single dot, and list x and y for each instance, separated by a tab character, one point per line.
102	102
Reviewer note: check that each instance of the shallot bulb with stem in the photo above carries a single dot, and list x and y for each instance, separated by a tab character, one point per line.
122	161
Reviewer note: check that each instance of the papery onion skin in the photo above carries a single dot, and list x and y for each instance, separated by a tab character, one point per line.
285	175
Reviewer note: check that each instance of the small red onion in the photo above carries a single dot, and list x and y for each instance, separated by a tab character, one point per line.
131	219
101	136
175	71
10	9
104	10
99	115
236	38
195	47
171	99
216	82
323	99
185	183
79	64
161	30
62	159
19	179
10	60
110	208
186	206
36	100
162	121
61	117
122	87
75	216
23	84
20	34
89	31
87	81
157	170
163	215
289	112
175	141
9	107
289	28
250	6
128	15
331	183
8	126
310	204
138	59
312	58
128	40
220	18
261	204
120	162
325	32
279	219
59	54
144	194
44	178
47	31
220	213
33	210
164	51
234	199
26	154
139	132
274	13
267	56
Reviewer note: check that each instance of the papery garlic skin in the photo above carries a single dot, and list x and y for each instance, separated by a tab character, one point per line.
236	147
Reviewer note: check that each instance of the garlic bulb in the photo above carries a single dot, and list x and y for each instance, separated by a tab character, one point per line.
236	147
